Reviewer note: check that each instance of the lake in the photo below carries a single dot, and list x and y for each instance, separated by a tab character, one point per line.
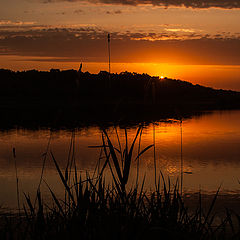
210	155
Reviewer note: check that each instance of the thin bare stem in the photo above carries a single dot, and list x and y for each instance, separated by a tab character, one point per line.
44	160
154	155
138	157
181	157
17	181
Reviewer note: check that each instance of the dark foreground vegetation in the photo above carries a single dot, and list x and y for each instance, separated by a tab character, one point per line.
68	96
93	209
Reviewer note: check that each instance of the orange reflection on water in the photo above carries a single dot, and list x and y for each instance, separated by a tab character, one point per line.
210	154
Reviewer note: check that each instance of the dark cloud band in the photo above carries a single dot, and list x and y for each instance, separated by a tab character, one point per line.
90	44
226	4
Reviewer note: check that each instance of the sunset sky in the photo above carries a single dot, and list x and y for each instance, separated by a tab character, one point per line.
192	40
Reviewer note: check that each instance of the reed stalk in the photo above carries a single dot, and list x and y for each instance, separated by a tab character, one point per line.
93	210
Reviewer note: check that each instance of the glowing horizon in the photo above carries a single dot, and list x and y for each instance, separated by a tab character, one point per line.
208	75
196	42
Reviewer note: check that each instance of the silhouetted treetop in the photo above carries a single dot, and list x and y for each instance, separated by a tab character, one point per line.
70	87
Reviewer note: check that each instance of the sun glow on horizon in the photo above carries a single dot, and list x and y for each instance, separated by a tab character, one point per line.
207	75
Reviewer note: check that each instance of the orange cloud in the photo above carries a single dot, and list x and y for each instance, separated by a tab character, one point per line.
90	44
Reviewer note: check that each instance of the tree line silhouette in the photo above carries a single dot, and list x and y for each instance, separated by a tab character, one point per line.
126	92
82	88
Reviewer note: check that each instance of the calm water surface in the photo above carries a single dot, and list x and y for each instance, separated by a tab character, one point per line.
210	147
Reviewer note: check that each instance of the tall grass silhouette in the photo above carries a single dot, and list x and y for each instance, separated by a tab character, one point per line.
93	209
121	159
